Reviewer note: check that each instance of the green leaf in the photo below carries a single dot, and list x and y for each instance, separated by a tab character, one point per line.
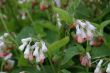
64	15
25	32
50	26
82	12
105	23
100	52
69	54
57	45
73	5
22	62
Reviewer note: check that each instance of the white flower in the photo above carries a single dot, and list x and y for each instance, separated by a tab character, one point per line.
108	68
36	53
21	47
58	3
89	34
78	31
41	57
90	26
8	56
27	51
98	67
6	35
82	24
44	48
83	34
26	40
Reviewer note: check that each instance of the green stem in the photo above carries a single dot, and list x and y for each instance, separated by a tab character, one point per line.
2	64
51	64
43	68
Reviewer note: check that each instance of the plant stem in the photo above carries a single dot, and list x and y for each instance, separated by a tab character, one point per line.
2	64
51	64
43	68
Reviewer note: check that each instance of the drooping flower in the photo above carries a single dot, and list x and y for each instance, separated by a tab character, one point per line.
33	51
86	60
98	67
84	31
27	51
44	48
108	68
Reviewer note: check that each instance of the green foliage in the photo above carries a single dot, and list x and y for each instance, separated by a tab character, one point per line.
41	23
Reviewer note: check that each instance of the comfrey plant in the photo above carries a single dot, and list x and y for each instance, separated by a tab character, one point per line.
36	51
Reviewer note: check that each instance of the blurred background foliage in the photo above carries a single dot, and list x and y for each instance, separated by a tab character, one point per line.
42	24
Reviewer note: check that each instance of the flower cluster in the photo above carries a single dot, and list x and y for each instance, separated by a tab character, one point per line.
5	52
84	31
36	50
86	60
98	67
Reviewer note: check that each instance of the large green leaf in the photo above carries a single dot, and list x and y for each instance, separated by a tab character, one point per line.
73	5
25	32
57	45
100	52
71	52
